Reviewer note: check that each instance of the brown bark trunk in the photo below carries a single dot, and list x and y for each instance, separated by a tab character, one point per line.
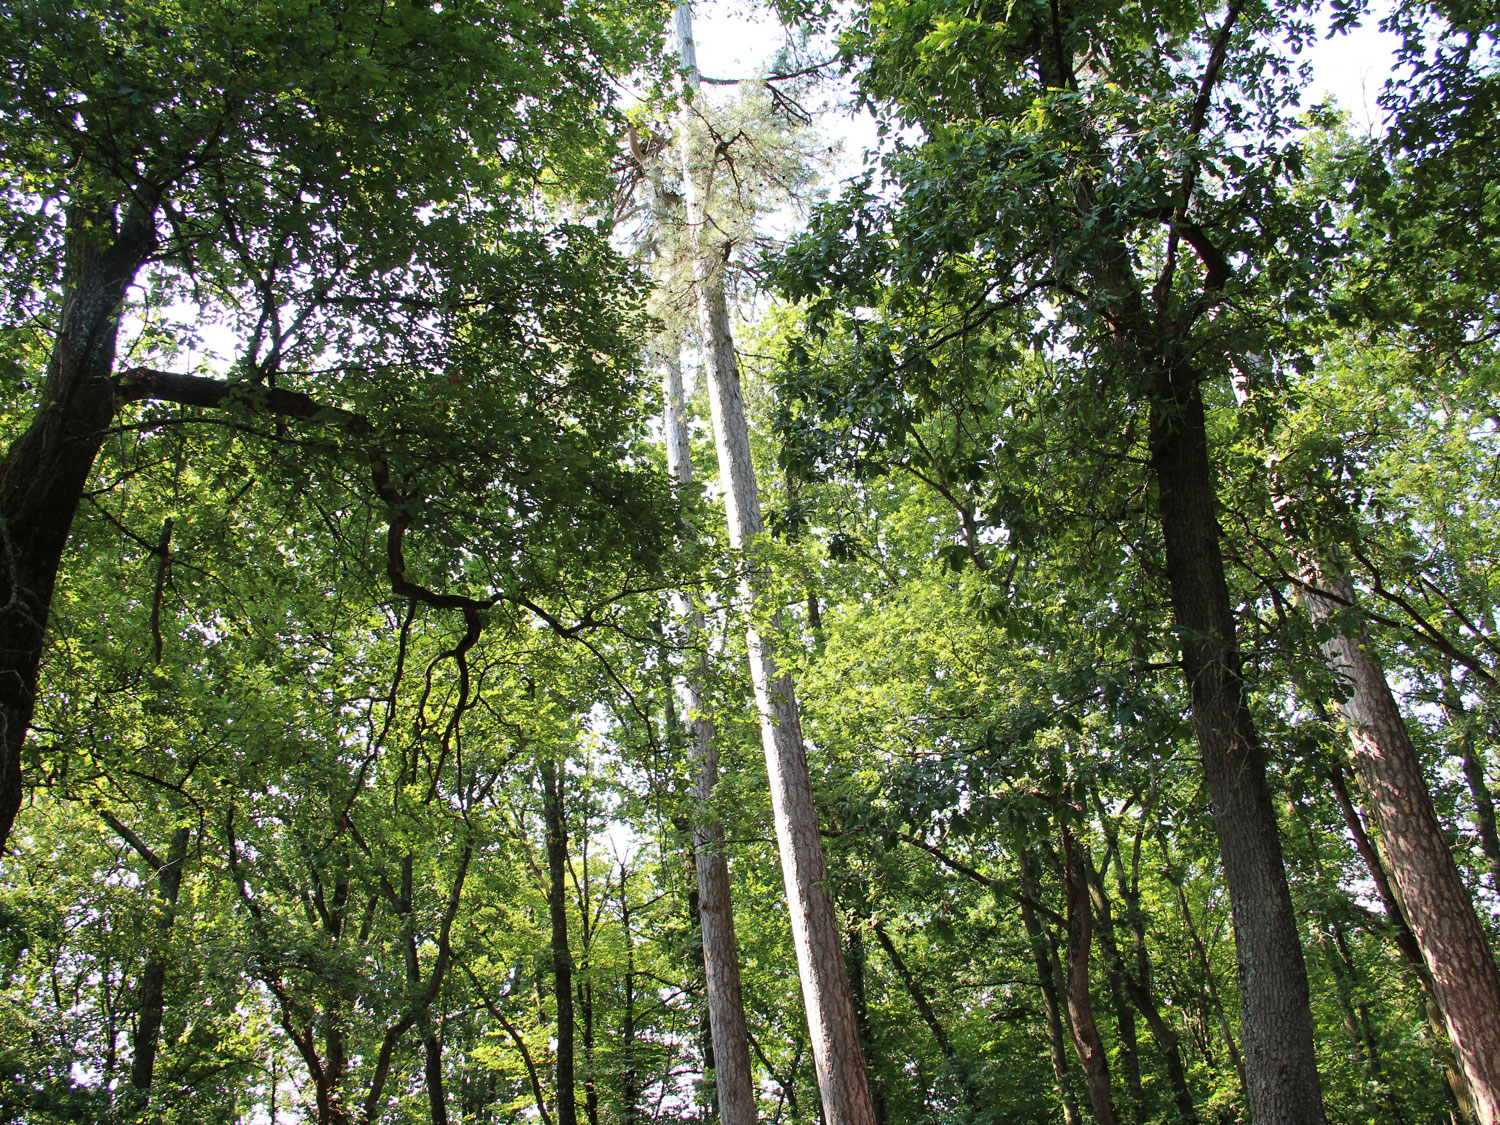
1406	942
1086	1039
1049	980
45	471
1115	973
566	1096
1282	1086
832	1029
1438	904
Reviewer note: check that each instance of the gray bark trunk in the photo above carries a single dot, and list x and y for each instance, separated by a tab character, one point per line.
721	963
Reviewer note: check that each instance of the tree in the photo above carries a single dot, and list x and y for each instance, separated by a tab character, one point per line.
236	167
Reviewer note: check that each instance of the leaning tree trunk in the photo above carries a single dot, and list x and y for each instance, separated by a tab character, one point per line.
1438	904
45	471
721	959
1281	1075
1086	1039
832	1027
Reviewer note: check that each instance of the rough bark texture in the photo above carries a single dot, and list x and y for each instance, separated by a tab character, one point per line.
1406	942
832	1028
45	471
721	961
1282	1086
1438	904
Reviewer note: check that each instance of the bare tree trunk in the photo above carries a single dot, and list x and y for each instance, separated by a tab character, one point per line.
1479	788
1438	904
721	961
1282	1086
825	986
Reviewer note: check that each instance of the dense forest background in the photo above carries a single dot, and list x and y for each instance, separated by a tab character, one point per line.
536	587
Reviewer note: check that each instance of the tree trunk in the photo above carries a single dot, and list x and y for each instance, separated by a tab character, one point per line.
1405	941
1139	987
857	960
45	471
721	961
562	956
1086	1040
832	1028
1049	979
1438	904
1282	1086
1479	788
1114	967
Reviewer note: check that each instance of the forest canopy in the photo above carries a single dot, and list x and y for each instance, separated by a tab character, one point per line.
441	441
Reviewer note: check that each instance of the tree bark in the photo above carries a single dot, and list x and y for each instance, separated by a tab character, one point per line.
1049	980
1086	1039
721	961
45	471
1438	904
832	1029
1282	1086
1115	971
1479	788
562	956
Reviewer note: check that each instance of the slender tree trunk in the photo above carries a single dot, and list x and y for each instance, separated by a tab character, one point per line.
721	962
46	469
857	960
1139	986
1049	979
1282	1086
1086	1039
832	1028
630	1070
562	956
1438	904
1479	788
1115	972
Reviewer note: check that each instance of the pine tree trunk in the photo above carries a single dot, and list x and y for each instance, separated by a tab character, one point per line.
1282	1086
1438	904
832	1028
721	962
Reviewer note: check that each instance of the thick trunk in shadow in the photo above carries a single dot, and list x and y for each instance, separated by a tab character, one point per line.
1438	905
1281	1076
562	956
45	471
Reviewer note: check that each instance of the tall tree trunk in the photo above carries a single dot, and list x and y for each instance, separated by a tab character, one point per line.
630	1067
562	956
1479	788
1139	987
1281	1074
1049	980
1115	972
1086	1039
857	960
45	470
1406	943
721	961
152	991
1438	904
832	1029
